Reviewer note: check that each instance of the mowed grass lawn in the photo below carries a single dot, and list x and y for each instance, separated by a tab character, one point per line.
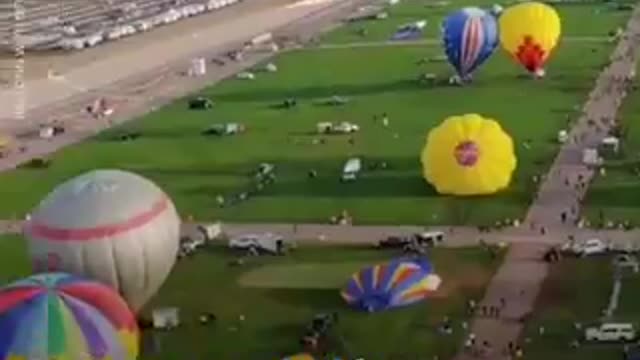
277	302
279	296
194	169
617	195
602	19
577	290
14	260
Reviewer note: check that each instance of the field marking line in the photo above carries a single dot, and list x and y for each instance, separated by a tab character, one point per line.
432	42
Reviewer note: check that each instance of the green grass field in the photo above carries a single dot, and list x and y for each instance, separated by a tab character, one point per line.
300	276
277	302
278	299
617	195
194	169
14	262
577	291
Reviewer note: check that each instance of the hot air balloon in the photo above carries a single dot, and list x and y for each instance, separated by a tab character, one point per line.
109	225
468	155
60	316
529	32
398	283
470	36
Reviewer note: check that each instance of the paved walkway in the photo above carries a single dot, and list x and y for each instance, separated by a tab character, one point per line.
458	236
520	278
101	73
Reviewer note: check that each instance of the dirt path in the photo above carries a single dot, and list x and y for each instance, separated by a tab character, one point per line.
519	279
38	63
106	70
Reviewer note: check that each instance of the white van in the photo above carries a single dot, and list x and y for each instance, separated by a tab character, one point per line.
267	242
430	238
589	247
611	332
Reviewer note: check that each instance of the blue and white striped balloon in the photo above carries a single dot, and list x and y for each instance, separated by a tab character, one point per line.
470	36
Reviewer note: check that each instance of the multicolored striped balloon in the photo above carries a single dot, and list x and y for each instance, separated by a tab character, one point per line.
60	316
397	283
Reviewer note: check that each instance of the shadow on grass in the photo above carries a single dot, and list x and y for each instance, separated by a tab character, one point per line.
320	299
314	92
402	178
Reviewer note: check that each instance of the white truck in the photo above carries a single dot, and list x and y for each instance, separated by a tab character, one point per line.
589	247
611	332
255	243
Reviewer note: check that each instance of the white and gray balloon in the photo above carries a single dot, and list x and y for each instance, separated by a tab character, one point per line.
110	225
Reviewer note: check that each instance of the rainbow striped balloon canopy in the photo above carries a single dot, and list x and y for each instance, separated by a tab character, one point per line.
397	283
65	317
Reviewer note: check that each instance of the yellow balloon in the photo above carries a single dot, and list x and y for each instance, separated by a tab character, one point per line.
530	32
468	155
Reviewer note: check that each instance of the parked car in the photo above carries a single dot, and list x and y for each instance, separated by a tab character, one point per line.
589	247
336	101
188	246
427	238
393	242
430	238
257	243
200	103
224	129
627	261
611	332
346	128
341	128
